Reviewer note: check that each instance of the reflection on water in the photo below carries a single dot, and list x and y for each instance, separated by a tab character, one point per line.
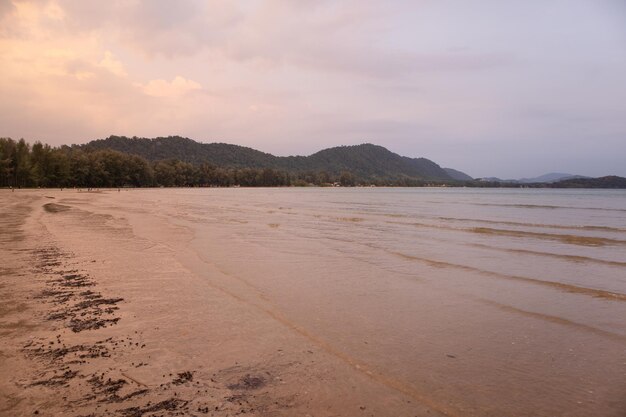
476	302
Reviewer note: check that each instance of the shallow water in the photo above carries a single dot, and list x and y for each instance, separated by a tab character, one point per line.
473	302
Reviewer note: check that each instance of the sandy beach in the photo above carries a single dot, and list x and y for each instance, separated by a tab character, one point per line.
110	306
96	321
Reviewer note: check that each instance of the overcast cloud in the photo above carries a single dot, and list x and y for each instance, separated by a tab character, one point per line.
493	88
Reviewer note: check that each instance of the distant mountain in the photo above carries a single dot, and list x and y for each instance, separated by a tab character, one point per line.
458	175
366	161
495	179
610	181
542	179
551	177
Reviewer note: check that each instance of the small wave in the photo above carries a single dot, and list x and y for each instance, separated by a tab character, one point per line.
351	219
395	215
571	258
558	285
570	239
553	319
429	226
547	206
539	225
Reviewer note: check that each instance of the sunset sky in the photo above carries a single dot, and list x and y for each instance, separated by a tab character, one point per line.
493	88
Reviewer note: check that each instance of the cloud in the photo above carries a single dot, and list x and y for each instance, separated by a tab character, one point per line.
423	77
53	11
178	87
346	37
153	27
6	7
113	65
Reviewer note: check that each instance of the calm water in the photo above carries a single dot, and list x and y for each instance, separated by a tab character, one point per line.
477	302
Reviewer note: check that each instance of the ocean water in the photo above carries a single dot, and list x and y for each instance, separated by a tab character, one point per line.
488	302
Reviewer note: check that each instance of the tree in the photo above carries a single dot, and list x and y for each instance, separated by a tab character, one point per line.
346	179
7	150
22	167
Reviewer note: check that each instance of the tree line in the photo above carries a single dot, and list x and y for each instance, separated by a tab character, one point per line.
40	165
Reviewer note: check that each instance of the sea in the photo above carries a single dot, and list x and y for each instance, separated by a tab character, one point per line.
497	302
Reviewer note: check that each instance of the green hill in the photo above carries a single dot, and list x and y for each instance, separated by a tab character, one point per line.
611	181
364	161
181	162
458	175
186	150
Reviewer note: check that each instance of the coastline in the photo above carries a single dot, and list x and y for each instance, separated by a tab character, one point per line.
310	302
98	321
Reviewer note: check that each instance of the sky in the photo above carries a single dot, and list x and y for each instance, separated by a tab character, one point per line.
490	87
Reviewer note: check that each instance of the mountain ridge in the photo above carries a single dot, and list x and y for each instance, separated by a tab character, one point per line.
97	165
458	175
366	160
552	177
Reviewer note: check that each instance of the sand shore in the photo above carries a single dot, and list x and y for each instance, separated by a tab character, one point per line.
96	321
296	302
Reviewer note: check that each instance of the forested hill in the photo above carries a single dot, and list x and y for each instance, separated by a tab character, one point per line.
365	161
179	162
458	175
186	150
610	181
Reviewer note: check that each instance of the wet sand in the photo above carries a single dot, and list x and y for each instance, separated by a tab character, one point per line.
145	303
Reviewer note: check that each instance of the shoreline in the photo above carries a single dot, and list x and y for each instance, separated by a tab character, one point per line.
100	322
266	303
68	364
504	186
